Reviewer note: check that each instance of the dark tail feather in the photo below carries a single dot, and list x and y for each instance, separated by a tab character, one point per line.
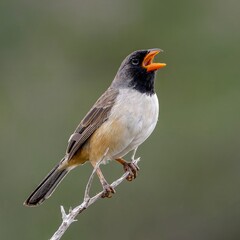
46	187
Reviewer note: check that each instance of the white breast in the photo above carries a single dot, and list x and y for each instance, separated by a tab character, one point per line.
138	115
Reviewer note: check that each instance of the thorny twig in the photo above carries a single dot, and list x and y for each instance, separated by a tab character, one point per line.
68	219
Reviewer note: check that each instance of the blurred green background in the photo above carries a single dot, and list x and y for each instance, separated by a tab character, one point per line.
58	57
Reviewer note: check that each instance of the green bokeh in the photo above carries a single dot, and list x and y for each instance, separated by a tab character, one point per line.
57	57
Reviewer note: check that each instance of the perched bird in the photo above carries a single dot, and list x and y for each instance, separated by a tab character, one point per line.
121	119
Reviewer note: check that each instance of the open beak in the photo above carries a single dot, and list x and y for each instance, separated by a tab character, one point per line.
149	64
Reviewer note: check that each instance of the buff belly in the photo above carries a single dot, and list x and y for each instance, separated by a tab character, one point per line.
129	125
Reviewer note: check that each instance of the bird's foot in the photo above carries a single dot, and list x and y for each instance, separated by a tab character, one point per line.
132	168
108	191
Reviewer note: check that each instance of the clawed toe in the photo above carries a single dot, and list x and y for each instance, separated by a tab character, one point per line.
108	191
132	168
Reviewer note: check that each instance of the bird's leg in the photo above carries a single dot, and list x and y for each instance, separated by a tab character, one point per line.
134	153
131	167
108	190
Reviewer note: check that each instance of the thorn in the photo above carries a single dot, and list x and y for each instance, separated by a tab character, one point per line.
63	212
137	160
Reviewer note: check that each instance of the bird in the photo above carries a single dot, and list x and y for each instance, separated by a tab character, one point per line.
119	122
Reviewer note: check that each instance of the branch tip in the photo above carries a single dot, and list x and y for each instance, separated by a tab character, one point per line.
63	212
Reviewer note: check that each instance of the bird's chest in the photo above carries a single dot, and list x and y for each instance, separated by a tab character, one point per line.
137	113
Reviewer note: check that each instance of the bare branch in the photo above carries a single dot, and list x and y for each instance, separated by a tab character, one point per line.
68	219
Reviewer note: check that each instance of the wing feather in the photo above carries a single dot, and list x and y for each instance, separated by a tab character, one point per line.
97	115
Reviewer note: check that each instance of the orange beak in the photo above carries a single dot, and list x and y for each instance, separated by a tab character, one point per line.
149	64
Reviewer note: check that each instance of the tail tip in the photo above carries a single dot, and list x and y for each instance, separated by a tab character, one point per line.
29	203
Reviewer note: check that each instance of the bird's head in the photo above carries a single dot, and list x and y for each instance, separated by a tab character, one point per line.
138	70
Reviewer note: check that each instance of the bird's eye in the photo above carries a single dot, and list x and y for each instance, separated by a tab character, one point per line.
135	61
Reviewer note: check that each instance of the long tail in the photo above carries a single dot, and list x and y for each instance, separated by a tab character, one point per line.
46	187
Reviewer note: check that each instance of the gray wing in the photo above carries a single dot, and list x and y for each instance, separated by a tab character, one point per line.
97	115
